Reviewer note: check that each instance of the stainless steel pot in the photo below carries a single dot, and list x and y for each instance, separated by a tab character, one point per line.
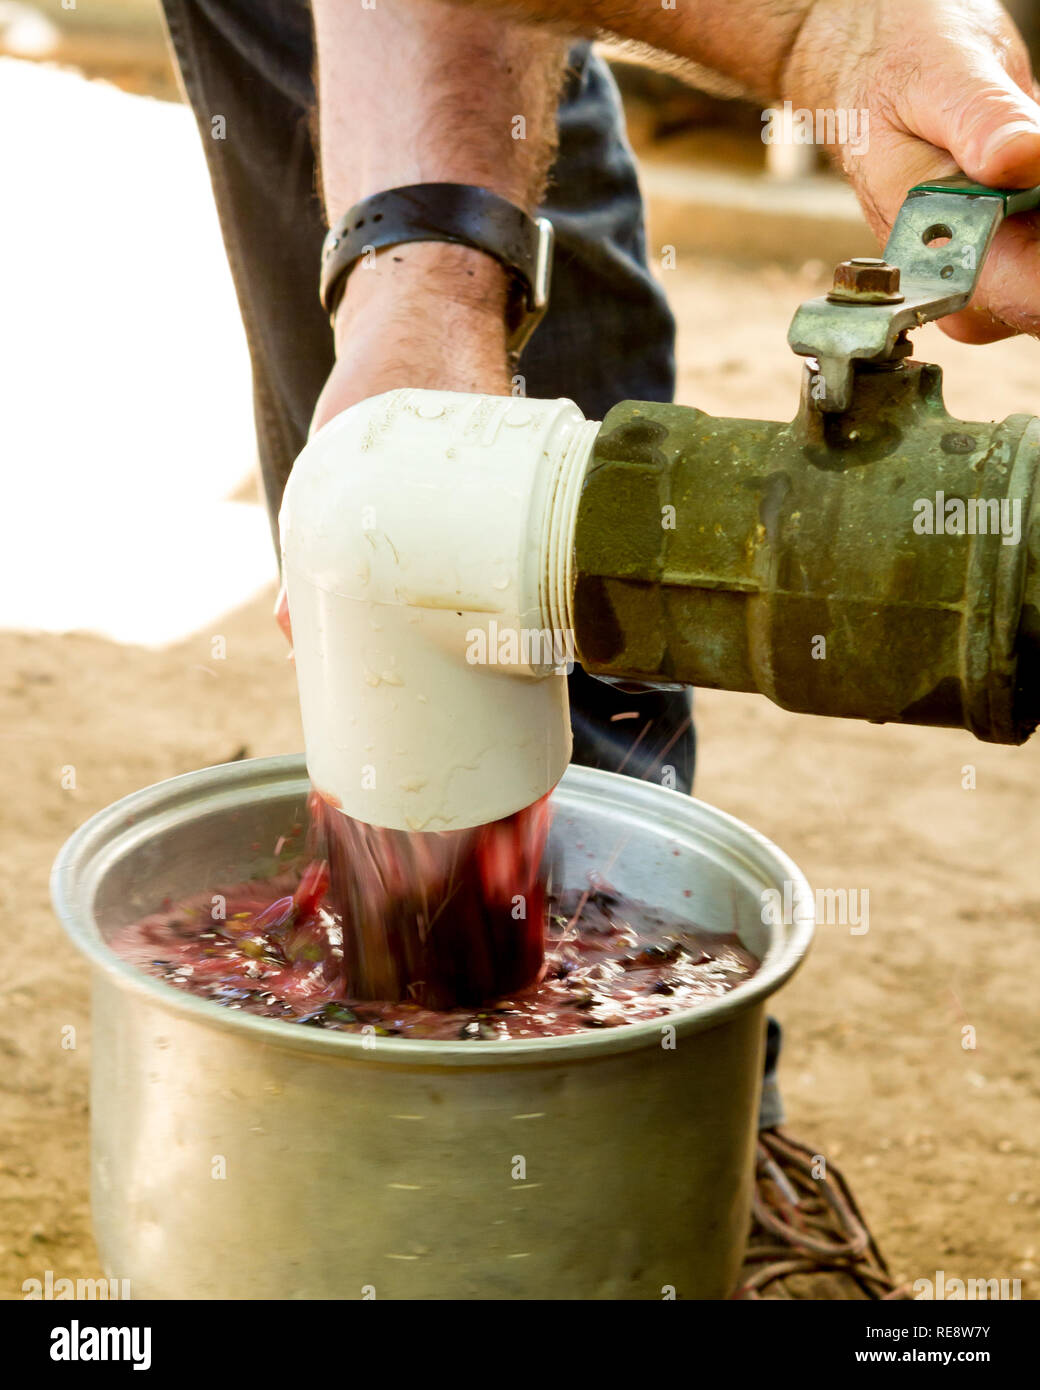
241	1157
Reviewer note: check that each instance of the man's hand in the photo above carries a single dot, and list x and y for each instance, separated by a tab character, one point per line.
947	84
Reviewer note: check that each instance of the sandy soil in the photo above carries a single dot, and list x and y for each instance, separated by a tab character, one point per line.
940	1142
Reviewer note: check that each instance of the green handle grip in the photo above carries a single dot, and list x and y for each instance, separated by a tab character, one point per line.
1014	199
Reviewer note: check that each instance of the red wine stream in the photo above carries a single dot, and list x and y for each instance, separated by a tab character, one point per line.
441	918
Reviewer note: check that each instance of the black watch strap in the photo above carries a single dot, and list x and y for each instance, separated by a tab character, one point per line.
453	212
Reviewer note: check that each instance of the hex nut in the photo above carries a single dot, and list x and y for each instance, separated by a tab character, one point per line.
866	278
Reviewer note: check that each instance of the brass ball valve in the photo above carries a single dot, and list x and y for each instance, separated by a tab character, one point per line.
875	558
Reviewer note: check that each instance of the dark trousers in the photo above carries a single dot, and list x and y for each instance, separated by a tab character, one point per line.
608	334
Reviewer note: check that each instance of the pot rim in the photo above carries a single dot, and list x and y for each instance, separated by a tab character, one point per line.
75	869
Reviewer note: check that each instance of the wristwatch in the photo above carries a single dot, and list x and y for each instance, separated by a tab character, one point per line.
455	212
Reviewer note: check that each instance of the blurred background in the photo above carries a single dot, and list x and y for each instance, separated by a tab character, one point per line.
135	539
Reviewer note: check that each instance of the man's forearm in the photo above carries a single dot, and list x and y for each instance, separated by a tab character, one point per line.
417	92
749	41
412	92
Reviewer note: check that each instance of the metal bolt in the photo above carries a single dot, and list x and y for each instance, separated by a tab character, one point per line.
866	280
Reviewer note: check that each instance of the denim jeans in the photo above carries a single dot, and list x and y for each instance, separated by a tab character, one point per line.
608	334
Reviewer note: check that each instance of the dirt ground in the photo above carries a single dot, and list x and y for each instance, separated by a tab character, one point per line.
940	1141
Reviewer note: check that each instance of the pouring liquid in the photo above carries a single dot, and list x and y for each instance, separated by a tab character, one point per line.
437	919
426	939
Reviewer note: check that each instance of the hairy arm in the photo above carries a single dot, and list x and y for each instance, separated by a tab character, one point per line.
946	84
747	41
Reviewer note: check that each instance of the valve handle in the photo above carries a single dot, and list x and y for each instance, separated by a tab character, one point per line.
938	243
1014	199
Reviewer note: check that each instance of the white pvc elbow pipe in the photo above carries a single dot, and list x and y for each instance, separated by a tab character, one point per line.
427	543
